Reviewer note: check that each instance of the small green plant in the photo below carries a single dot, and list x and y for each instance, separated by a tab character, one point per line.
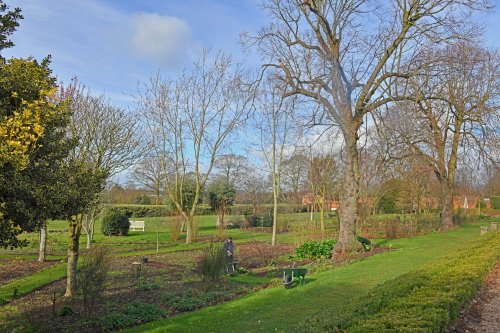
365	242
115	223
315	250
15	292
65	311
147	286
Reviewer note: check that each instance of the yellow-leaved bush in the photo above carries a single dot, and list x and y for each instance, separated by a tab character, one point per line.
20	132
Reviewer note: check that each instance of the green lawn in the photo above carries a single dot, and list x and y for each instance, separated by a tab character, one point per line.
277	309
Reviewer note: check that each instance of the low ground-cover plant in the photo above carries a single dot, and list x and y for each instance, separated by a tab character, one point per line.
365	242
115	223
190	301
315	249
427	300
133	314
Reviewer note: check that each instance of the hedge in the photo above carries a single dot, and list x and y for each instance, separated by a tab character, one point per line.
426	300
164	210
495	202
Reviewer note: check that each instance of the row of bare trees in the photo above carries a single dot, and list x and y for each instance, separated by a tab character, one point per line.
355	58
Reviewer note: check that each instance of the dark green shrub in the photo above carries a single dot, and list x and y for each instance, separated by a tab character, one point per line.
211	265
133	314
260	220
315	250
365	242
115	223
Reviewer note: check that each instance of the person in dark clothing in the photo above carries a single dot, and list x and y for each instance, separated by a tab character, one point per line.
229	253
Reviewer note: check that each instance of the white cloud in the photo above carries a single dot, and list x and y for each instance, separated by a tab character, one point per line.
164	39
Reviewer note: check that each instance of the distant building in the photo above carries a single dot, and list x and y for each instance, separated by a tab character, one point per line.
311	200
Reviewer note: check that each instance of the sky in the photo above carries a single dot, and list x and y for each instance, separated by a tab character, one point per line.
112	46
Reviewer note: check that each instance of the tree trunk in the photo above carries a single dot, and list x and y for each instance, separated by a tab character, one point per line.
157	238
74	231
322	212
189	232
88	226
446	207
348	210
43	243
275	219
88	240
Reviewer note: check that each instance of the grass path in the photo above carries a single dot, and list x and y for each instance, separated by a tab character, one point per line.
278	309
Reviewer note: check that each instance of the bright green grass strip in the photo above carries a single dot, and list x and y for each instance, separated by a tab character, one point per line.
29	283
251	279
278	309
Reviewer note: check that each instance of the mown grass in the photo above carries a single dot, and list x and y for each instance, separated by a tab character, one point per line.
424	300
277	309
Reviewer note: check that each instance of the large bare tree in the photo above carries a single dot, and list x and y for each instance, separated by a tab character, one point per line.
345	55
191	119
455	104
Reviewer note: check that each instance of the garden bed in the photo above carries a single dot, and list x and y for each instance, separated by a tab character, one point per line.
168	285
11	269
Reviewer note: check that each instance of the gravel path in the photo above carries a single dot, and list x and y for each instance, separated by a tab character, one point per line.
482	315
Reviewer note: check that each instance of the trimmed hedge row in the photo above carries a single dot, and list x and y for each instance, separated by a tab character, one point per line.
163	210
426	300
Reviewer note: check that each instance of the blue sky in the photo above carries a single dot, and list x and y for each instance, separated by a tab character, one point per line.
113	45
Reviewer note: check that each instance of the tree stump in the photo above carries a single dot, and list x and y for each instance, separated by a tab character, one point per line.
484	230
494	226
